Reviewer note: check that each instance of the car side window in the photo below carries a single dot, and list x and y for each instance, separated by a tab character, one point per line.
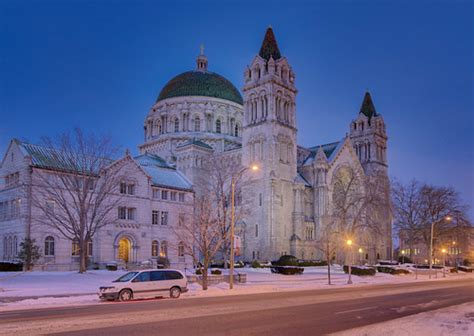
142	277
173	275
157	276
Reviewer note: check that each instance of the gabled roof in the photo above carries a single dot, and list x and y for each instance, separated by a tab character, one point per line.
269	46
148	159
50	158
195	142
328	150
300	179
367	107
161	173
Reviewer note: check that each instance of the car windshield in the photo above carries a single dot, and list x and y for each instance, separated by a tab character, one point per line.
126	277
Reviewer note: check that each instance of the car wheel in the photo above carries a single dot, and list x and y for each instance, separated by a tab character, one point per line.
175	292
125	295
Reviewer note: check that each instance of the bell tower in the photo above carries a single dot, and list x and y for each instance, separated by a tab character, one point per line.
369	138
269	141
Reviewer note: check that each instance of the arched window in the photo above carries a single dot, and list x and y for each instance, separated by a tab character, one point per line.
75	250
158	128
176	125
90	248
180	249
154	248
164	249
218	126
15	246
236	130
197	124
9	246
49	246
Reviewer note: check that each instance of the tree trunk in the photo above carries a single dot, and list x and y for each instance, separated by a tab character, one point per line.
83	258
205	266
329	271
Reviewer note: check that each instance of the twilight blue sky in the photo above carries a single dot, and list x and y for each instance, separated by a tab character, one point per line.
101	64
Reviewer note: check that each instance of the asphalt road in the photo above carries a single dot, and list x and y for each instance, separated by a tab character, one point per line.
314	312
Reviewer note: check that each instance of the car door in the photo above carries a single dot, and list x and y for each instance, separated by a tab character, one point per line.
159	283
141	286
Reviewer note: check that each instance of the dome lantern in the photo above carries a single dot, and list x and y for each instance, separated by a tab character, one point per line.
201	60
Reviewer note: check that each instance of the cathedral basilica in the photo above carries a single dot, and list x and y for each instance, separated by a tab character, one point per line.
200	113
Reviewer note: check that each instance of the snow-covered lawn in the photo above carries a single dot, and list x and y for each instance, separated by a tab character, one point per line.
71	288
453	321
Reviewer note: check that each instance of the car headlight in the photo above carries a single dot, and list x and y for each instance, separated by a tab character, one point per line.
106	289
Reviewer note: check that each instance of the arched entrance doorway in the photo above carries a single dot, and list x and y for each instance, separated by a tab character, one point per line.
124	249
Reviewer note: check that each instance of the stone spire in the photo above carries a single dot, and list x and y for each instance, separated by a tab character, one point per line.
269	46
368	107
201	60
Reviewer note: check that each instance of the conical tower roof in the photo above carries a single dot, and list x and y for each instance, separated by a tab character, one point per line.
269	46
368	107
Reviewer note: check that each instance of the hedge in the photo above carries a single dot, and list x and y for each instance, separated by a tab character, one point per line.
405	260
308	263
11	267
466	269
256	264
216	272
286	260
287	270
359	271
392	270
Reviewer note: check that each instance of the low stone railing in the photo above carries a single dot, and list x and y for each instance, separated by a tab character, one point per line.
214	279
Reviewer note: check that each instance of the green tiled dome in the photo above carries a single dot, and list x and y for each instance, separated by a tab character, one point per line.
201	83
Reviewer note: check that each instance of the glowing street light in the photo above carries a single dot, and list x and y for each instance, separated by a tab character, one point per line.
403	256
360	254
349	244
444	261
232	221
445	218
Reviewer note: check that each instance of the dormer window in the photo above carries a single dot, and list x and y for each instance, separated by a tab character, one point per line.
127	188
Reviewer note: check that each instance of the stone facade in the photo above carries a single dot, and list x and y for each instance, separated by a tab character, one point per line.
292	191
131	239
199	113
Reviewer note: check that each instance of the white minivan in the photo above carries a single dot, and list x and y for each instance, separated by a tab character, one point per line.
145	284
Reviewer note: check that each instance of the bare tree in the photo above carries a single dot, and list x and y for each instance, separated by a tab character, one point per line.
216	181
77	192
359	205
418	206
406	203
328	241
201	237
440	207
207	234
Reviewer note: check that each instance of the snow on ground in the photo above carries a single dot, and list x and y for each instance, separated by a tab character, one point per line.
72	288
452	321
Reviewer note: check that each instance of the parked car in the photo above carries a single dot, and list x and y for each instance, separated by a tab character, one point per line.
145	284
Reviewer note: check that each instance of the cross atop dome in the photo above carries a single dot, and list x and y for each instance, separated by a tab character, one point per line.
269	46
201	61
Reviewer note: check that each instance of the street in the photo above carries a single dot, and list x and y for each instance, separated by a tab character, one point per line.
311	312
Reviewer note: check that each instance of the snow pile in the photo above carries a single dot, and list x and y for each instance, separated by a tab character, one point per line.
23	290
454	321
27	284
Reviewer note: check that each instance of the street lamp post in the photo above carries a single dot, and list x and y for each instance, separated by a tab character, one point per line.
232	221
360	255
444	262
447	218
403	256
349	244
